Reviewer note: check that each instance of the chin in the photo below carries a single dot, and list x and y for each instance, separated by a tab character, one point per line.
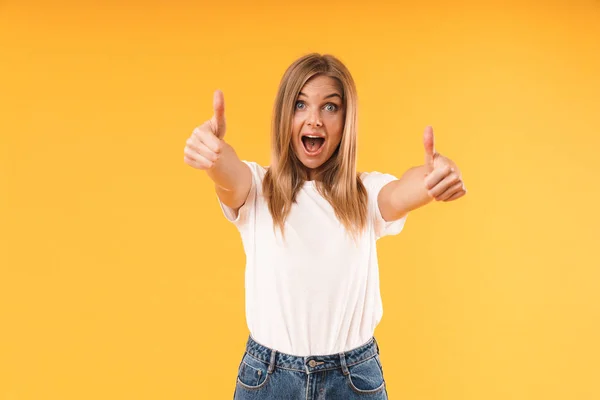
312	164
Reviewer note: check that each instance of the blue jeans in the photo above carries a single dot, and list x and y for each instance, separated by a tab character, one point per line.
268	374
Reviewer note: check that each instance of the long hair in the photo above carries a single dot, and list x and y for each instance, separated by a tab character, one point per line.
337	179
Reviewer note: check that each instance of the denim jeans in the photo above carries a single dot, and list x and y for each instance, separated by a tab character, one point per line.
268	374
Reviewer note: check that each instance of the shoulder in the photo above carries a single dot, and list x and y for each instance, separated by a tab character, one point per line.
258	171
375	180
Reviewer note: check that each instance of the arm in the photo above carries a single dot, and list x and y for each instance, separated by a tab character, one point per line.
232	178
439	178
399	197
206	150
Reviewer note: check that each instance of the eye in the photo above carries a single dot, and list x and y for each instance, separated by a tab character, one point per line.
331	107
300	105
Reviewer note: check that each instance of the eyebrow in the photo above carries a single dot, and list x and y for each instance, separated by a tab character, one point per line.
328	96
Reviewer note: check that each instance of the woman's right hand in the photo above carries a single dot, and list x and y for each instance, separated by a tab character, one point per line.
204	146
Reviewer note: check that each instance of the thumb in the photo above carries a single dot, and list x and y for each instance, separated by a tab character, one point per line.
218	119
428	141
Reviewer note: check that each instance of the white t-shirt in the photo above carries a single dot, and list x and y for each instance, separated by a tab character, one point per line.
317	293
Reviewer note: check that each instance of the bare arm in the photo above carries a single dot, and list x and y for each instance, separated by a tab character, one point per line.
439	178
399	197
232	178
206	150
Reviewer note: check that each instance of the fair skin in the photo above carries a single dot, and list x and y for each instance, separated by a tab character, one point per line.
437	179
318	113
318	118
207	150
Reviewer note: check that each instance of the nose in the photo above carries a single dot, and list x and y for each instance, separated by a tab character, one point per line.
314	118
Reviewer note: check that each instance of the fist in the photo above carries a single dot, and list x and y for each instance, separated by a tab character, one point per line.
204	146
443	179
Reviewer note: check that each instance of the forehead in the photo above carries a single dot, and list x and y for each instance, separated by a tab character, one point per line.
321	85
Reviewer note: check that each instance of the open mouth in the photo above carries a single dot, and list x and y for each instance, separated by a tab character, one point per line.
313	144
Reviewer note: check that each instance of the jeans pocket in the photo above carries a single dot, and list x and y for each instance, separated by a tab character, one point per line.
252	373
366	377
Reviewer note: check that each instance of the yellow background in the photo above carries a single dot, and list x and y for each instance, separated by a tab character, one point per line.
121	279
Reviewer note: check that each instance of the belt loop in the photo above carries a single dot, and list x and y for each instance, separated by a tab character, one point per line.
376	344
272	362
344	366
305	364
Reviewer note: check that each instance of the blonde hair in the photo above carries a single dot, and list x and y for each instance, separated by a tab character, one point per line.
337	179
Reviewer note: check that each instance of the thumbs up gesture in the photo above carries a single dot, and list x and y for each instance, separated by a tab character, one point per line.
443	179
203	148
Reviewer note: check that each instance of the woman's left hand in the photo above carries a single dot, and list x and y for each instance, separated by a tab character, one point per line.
443	179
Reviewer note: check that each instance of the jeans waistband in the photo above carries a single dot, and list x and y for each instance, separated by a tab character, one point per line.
312	364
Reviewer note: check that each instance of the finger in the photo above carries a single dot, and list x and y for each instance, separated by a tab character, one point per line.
201	149
429	143
436	176
190	161
218	118
196	160
444	185
195	143
202	164
205	135
457	195
453	189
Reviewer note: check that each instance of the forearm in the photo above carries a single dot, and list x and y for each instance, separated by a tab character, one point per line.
409	191
225	172
438	179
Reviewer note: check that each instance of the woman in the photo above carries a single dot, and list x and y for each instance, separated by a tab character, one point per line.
309	225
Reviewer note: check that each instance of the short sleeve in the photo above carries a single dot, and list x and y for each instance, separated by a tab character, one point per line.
249	206
374	182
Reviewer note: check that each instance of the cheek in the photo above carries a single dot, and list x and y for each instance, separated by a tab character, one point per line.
296	125
335	128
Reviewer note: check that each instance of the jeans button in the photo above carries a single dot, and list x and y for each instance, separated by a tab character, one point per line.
312	363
